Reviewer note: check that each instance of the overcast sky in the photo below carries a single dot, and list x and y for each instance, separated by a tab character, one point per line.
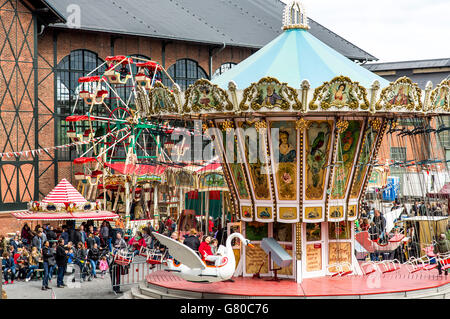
391	30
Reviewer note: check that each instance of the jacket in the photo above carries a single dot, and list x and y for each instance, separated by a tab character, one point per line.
90	242
65	236
192	242
205	250
61	256
37	242
94	254
80	254
47	254
442	246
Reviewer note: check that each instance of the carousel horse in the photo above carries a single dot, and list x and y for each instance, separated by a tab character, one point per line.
188	265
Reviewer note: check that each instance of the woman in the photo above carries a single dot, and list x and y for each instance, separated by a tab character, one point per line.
205	250
365	224
26	234
3	245
47	254
287	152
137	242
33	263
23	264
94	255
339	96
80	259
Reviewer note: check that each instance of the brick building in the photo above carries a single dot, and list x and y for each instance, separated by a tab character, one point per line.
404	149
45	46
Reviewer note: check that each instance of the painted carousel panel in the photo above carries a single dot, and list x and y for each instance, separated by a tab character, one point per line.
256	260
369	143
339	253
317	144
313	213
313	257
347	144
259	171
401	95
235	160
284	148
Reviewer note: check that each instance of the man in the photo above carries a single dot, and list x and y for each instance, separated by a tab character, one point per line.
37	241
44	236
65	235
120	243
47	254
14	242
442	247
51	235
192	240
61	262
380	222
82	233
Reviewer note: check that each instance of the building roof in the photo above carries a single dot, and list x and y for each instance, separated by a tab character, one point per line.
249	23
416	64
45	12
294	56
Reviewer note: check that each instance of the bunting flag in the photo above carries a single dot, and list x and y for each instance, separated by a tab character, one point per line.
35	152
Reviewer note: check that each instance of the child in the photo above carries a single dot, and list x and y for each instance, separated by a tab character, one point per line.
214	243
9	268
103	265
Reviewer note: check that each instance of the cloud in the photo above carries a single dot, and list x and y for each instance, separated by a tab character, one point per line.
390	30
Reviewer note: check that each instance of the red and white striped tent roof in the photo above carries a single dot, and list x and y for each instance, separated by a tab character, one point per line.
64	192
94	215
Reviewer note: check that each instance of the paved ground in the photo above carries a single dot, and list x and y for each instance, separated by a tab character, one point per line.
95	289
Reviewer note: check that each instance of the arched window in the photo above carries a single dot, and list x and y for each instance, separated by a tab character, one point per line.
75	65
223	68
185	72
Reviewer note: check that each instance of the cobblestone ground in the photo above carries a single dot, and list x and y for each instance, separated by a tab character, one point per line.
98	288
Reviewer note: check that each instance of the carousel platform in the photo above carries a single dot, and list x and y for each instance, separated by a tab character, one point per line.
398	285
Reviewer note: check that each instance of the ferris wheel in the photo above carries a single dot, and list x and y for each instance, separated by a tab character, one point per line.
122	144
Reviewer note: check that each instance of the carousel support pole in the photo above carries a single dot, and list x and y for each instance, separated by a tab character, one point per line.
128	200
155	203
180	203
207	212
117	198
146	189
222	221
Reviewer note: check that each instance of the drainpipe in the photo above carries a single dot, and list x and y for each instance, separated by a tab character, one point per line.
212	54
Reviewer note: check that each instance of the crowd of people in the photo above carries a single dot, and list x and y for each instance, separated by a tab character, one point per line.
48	252
373	221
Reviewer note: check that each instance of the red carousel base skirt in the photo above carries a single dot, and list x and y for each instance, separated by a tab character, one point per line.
399	283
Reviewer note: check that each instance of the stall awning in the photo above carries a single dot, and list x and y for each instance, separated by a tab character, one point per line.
95	215
63	193
138	169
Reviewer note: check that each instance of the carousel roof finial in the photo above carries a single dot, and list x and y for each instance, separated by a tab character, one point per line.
294	16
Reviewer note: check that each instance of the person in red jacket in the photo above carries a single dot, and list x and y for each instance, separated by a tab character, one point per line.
205	251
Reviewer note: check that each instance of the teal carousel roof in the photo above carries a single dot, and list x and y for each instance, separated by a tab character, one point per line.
294	56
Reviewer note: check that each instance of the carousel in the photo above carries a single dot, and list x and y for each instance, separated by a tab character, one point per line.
298	128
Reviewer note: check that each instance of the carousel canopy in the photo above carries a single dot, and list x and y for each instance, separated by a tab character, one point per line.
64	192
294	56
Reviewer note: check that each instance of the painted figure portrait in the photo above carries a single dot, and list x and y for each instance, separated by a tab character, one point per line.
269	95
401	96
441	99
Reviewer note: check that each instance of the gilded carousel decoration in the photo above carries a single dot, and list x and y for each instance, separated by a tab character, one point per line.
440	96
340	92
204	95
269	93
401	94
